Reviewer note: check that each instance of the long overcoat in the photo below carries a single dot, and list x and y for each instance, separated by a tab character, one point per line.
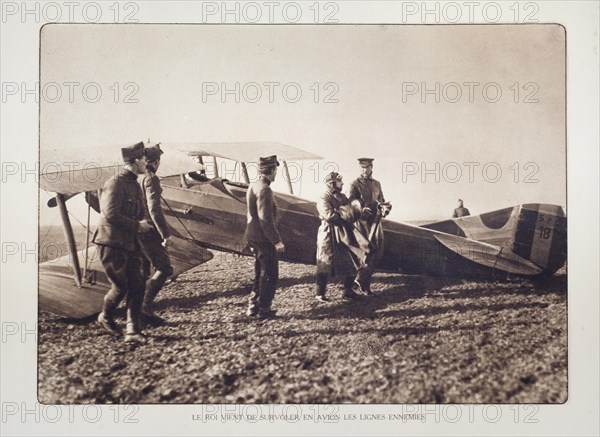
340	250
368	191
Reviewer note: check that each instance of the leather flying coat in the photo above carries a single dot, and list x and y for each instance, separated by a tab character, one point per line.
340	249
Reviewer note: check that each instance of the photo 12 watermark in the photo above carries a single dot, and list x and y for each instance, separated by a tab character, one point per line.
270	12
470	92
19	332
427	12
69	12
34	412
95	173
70	92
270	92
470	171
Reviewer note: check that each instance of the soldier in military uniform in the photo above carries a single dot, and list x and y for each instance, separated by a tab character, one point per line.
368	192
461	211
155	242
338	252
121	221
263	238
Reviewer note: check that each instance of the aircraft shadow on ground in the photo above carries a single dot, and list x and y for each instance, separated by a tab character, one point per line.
411	287
401	288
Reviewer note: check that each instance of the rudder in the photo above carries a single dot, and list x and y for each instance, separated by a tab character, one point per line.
541	235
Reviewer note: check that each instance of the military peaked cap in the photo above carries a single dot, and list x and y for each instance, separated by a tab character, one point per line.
153	153
268	162
364	162
132	153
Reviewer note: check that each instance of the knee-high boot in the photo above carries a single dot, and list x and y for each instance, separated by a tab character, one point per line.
321	284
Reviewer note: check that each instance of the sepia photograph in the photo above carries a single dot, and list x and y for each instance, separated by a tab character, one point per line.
272	218
303	214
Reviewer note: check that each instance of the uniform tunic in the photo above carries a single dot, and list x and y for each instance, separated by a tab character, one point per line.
121	207
262	235
151	242
262	214
368	191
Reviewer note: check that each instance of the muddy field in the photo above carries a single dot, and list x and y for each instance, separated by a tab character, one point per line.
419	340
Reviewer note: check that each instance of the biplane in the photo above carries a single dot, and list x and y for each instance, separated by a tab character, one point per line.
209	214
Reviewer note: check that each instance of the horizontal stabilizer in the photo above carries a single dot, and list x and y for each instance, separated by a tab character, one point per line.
489	255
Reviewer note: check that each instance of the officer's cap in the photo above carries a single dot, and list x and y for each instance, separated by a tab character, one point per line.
333	176
153	153
268	162
365	162
132	153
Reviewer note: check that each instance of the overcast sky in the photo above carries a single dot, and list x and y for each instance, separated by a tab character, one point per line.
374	78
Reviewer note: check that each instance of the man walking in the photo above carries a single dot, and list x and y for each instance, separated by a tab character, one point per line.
368	192
155	242
263	238
122	211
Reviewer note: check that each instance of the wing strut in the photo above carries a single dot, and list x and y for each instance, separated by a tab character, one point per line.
287	176
245	173
216	166
60	198
87	242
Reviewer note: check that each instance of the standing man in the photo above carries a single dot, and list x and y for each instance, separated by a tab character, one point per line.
154	243
263	238
121	221
461	211
339	253
368	192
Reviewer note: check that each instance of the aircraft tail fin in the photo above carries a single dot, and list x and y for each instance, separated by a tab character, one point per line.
541	235
533	231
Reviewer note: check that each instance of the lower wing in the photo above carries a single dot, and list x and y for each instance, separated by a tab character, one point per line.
59	293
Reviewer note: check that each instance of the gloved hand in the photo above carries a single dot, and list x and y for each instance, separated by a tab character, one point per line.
144	227
366	213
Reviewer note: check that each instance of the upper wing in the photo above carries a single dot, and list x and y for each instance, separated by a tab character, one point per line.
71	171
242	152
